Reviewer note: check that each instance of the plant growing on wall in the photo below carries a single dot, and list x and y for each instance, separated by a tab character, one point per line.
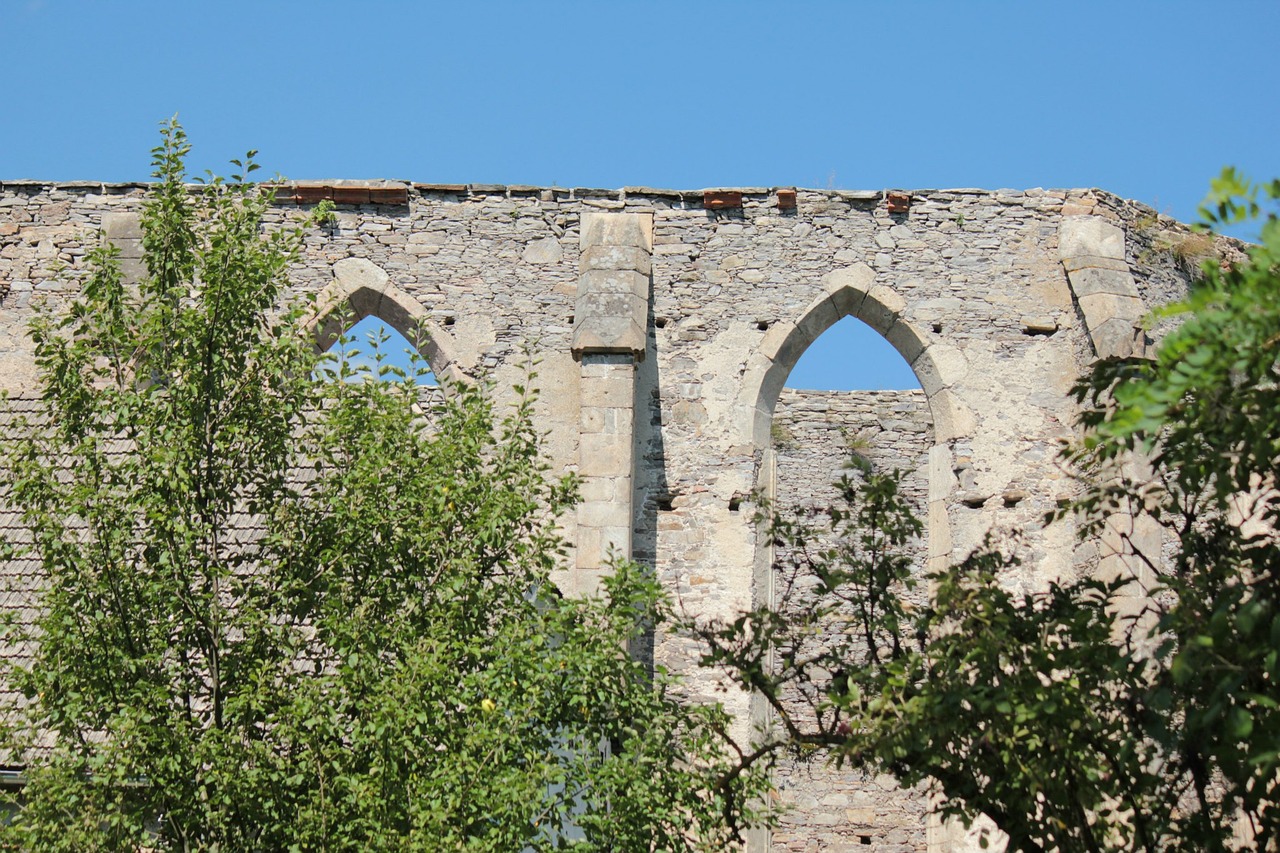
1064	717
278	614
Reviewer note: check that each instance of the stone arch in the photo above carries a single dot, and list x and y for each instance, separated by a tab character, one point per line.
853	291
360	288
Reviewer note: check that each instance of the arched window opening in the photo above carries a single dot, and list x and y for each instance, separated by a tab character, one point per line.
374	350
852	356
850	403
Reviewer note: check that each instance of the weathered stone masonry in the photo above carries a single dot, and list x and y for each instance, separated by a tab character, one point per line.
665	324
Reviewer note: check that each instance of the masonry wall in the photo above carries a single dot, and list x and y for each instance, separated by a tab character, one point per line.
814	433
997	299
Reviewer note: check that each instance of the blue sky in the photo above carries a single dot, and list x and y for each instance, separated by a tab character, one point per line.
1145	99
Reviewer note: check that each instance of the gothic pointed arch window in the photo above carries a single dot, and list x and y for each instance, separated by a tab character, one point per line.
369	328
841	390
372	349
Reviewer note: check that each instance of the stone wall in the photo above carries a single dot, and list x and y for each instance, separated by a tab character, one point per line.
998	300
814	433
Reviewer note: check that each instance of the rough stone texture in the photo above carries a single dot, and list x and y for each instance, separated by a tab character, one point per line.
814	434
985	293
1093	252
613	283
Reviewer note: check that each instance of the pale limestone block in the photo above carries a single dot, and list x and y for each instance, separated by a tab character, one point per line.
612	392
1093	280
356	273
121	226
606	366
130	250
939	526
473	333
613	281
615	541
617	229
598	307
1148	541
819	317
853	282
544	251
603	514
1113	541
610	257
617	420
611	311
597	489
402	312
881	308
758	391
1098	308
589	550
591	420
1081	262
951	418
578	582
1055	566
784	343
1129	610
1118	338
604	455
1090	235
906	340
558	380
611	334
942	478
773	341
940	366
133	270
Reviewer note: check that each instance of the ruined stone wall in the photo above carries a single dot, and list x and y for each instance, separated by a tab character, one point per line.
814	433
665	335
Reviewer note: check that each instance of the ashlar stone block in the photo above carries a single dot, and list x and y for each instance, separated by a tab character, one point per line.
609	334
617	229
1093	280
354	273
1098	308
611	312
616	258
614	392
1118	338
121	226
1080	262
604	455
848	286
1090	235
881	308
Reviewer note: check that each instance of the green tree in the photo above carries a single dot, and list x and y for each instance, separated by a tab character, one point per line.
284	614
1066	724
